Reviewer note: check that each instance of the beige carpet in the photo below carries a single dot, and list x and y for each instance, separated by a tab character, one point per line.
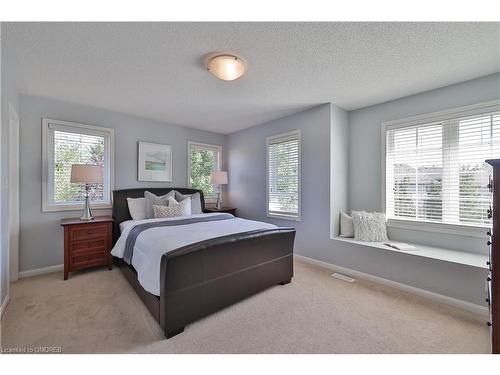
98	312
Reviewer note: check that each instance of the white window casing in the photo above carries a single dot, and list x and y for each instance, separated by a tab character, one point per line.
57	134
433	172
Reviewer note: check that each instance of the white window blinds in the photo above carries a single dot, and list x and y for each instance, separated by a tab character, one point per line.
436	172
283	175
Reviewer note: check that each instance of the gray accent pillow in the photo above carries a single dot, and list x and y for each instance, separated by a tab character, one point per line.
154	200
195	201
369	226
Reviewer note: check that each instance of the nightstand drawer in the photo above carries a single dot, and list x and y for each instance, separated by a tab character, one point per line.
88	247
87	243
88	260
86	232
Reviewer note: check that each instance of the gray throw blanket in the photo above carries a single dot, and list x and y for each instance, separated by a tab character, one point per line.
134	233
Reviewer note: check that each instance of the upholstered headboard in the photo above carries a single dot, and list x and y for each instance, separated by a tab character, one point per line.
120	205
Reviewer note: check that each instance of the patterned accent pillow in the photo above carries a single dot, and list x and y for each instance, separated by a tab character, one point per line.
173	210
369	226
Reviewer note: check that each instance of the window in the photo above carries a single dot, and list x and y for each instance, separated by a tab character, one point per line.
283	176
435	171
67	143
203	159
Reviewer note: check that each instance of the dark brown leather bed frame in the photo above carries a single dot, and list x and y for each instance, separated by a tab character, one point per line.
205	277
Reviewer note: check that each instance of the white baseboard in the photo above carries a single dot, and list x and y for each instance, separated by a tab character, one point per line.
41	271
3	306
464	305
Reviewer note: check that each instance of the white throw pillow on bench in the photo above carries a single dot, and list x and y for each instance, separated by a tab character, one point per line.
369	226
346	226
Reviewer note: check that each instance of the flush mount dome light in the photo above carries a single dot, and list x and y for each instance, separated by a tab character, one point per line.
226	67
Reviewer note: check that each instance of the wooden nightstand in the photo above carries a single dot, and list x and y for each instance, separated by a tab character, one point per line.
229	210
87	243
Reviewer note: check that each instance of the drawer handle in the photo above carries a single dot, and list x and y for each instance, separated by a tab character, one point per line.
488	243
489	324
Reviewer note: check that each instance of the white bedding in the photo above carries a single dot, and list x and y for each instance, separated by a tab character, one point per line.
152	243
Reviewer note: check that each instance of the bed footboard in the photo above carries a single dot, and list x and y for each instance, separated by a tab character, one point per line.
202	278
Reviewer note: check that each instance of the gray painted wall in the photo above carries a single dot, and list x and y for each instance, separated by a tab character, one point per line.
247	169
339	167
41	237
364	150
246	152
9	96
462	282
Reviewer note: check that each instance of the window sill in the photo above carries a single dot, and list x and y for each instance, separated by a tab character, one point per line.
446	255
62	208
283	217
455	229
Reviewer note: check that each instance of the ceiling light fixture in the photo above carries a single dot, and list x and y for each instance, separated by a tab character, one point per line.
226	67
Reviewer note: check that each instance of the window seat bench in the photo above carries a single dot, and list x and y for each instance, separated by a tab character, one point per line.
446	255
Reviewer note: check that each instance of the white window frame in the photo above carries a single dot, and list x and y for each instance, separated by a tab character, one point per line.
209	147
446	115
269	214
47	157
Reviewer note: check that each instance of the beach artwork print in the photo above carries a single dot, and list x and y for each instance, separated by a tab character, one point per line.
154	162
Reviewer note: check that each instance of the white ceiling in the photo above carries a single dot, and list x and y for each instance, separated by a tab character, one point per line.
154	70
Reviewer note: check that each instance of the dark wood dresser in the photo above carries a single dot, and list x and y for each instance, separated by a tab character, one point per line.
493	279
87	243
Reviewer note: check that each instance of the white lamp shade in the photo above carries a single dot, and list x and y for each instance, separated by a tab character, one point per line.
87	173
226	67
218	178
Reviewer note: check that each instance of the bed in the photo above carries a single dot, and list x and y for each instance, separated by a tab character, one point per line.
201	277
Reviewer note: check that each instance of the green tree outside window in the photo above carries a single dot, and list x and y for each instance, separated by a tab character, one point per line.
203	162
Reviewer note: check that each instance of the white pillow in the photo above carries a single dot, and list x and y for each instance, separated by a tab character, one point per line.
369	226
137	208
346	225
173	209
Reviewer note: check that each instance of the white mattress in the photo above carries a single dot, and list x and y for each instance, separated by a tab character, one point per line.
152	243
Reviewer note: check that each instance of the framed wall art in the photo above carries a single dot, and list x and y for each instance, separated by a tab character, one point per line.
154	162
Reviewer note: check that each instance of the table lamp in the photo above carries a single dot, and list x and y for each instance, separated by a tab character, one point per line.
218	178
87	174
